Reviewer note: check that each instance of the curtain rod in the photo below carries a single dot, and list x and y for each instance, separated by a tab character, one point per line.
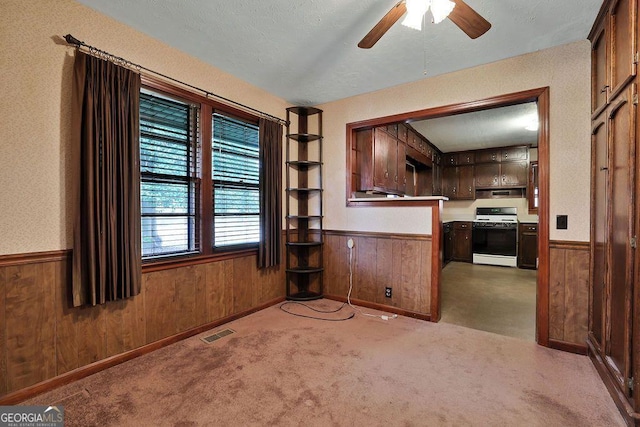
94	50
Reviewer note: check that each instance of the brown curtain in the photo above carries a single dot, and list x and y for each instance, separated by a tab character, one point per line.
270	193
106	252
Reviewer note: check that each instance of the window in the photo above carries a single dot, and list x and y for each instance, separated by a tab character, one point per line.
168	188
183	207
236	180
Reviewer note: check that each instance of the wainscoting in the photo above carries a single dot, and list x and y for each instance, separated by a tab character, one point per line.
568	295
403	262
41	337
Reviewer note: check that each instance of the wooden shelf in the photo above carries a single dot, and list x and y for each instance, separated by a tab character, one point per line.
305	270
304	215
304	137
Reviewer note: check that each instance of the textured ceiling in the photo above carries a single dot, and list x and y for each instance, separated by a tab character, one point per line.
305	51
497	127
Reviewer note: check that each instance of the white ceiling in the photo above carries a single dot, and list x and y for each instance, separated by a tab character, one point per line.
305	51
497	127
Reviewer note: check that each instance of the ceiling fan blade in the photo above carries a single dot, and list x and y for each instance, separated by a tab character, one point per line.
383	26
469	20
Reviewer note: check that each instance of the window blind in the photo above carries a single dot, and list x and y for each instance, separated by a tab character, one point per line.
236	179
168	168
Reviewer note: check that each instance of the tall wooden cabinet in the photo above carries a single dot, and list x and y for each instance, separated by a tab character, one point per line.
614	315
304	239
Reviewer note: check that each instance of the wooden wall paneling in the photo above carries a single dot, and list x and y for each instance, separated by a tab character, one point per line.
384	272
4	386
426	250
190	306
398	290
160	312
30	324
125	325
556	293
332	261
91	334
243	283
576	296
364	278
219	289
412	295
66	342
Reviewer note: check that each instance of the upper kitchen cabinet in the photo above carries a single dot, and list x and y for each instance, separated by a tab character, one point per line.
382	160
614	54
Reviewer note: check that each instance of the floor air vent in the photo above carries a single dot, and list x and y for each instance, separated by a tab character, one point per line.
211	338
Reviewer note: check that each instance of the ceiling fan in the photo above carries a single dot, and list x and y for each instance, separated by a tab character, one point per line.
467	19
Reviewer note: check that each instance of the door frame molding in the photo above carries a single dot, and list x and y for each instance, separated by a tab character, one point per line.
541	97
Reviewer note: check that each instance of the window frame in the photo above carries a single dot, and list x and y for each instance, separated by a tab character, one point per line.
205	216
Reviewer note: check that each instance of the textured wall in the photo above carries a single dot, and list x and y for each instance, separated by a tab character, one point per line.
35	81
565	69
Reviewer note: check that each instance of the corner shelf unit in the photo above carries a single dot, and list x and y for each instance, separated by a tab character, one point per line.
304	213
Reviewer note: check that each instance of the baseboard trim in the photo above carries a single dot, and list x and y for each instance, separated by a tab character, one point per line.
568	347
631	417
382	307
84	371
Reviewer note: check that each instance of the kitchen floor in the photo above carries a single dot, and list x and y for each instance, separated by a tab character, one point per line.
501	300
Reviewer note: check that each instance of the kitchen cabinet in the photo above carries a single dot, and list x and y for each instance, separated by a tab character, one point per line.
447	239
613	52
502	154
437	173
458	182
501	175
528	245
462	247
614	284
382	165
533	191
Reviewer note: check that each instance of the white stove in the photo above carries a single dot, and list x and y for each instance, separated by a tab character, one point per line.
495	237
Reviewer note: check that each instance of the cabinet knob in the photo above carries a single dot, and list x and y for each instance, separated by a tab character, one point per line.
604	89
469	190
504	178
386	174
604	168
395	178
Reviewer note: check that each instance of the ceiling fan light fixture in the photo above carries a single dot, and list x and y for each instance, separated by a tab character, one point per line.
440	9
415	11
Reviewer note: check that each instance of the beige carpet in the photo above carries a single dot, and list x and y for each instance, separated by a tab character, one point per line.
282	370
501	300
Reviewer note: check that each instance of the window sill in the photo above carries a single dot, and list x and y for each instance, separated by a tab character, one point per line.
150	266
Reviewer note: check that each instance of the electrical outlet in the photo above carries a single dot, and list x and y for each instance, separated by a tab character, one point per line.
387	292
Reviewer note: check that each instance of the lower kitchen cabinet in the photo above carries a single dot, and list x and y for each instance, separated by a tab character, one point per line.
528	245
447	239
462	247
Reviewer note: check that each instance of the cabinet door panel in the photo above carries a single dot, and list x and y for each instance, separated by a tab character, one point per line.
462	245
600	172
465	183
515	174
401	174
621	131
488	156
450	182
623	44
383	146
599	69
488	175
515	153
